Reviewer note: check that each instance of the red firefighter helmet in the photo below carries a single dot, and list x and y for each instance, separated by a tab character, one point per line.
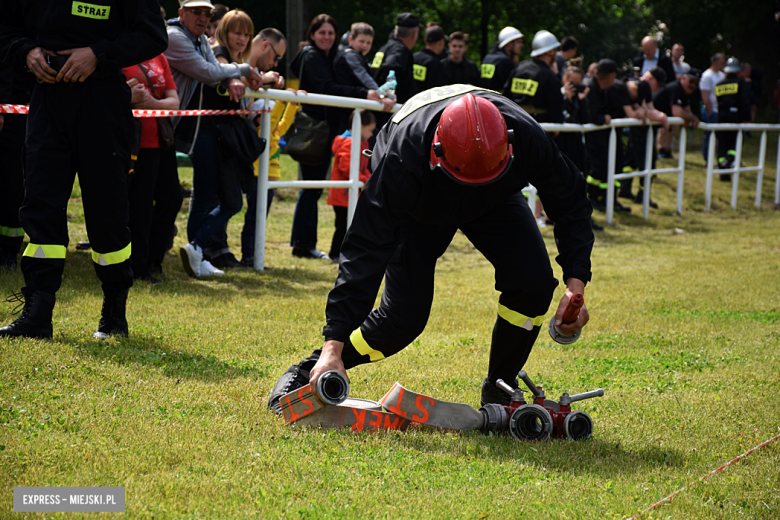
471	143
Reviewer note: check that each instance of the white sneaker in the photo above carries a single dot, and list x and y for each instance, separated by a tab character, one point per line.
191	259
541	222
206	269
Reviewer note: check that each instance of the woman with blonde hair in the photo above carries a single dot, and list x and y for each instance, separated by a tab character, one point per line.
234	33
216	194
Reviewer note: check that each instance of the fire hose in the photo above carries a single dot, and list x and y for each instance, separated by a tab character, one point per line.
329	406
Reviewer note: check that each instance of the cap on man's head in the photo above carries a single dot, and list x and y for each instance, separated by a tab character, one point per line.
196	3
606	66
434	34
407	20
694	74
660	76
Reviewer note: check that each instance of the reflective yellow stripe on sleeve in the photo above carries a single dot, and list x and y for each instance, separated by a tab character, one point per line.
363	348
48	251
115	257
12	232
520	320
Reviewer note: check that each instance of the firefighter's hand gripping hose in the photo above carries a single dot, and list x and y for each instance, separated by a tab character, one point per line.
570	315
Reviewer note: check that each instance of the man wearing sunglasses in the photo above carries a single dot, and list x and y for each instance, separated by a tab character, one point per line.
193	63
453	158
268	49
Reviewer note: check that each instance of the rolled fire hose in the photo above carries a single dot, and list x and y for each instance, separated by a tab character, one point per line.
395	411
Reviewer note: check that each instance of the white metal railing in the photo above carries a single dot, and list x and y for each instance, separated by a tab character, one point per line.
738	168
613	176
354	184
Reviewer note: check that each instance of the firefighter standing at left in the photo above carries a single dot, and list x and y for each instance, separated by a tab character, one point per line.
80	120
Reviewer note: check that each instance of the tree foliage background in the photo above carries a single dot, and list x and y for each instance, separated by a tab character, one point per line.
749	29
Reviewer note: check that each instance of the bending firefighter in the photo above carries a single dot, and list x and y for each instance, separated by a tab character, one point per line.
454	157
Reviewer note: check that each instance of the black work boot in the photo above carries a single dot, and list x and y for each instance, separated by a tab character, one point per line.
112	316
35	320
297	376
493	394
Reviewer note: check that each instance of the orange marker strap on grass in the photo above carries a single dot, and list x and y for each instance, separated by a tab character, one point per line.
361	415
299	403
429	411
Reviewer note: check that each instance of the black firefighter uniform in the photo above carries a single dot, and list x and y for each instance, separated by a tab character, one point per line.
408	214
80	127
536	88
428	70
733	95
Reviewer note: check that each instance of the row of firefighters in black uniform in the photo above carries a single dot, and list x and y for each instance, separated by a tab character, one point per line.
567	96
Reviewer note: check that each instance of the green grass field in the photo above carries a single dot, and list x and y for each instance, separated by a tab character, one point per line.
684	337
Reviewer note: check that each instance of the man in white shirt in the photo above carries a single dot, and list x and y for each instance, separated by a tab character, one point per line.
709	79
678	60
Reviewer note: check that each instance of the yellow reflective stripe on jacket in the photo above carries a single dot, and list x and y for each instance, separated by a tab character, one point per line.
116	257
488	70
12	232
520	320
48	251
727	89
356	338
527	87
378	58
419	72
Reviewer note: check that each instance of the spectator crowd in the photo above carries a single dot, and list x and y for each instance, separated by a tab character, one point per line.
213	53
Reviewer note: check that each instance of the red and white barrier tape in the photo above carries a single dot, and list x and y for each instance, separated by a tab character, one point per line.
23	109
714	471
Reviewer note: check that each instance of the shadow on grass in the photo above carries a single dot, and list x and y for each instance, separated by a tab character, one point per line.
79	278
603	458
171	363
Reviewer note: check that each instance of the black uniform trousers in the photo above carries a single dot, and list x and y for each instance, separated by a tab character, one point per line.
727	139
509	238
11	182
85	128
155	200
167	204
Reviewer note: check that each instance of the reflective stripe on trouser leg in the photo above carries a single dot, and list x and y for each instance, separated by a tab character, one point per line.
12	232
514	335
595	182
519	320
45	252
112	258
42	265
